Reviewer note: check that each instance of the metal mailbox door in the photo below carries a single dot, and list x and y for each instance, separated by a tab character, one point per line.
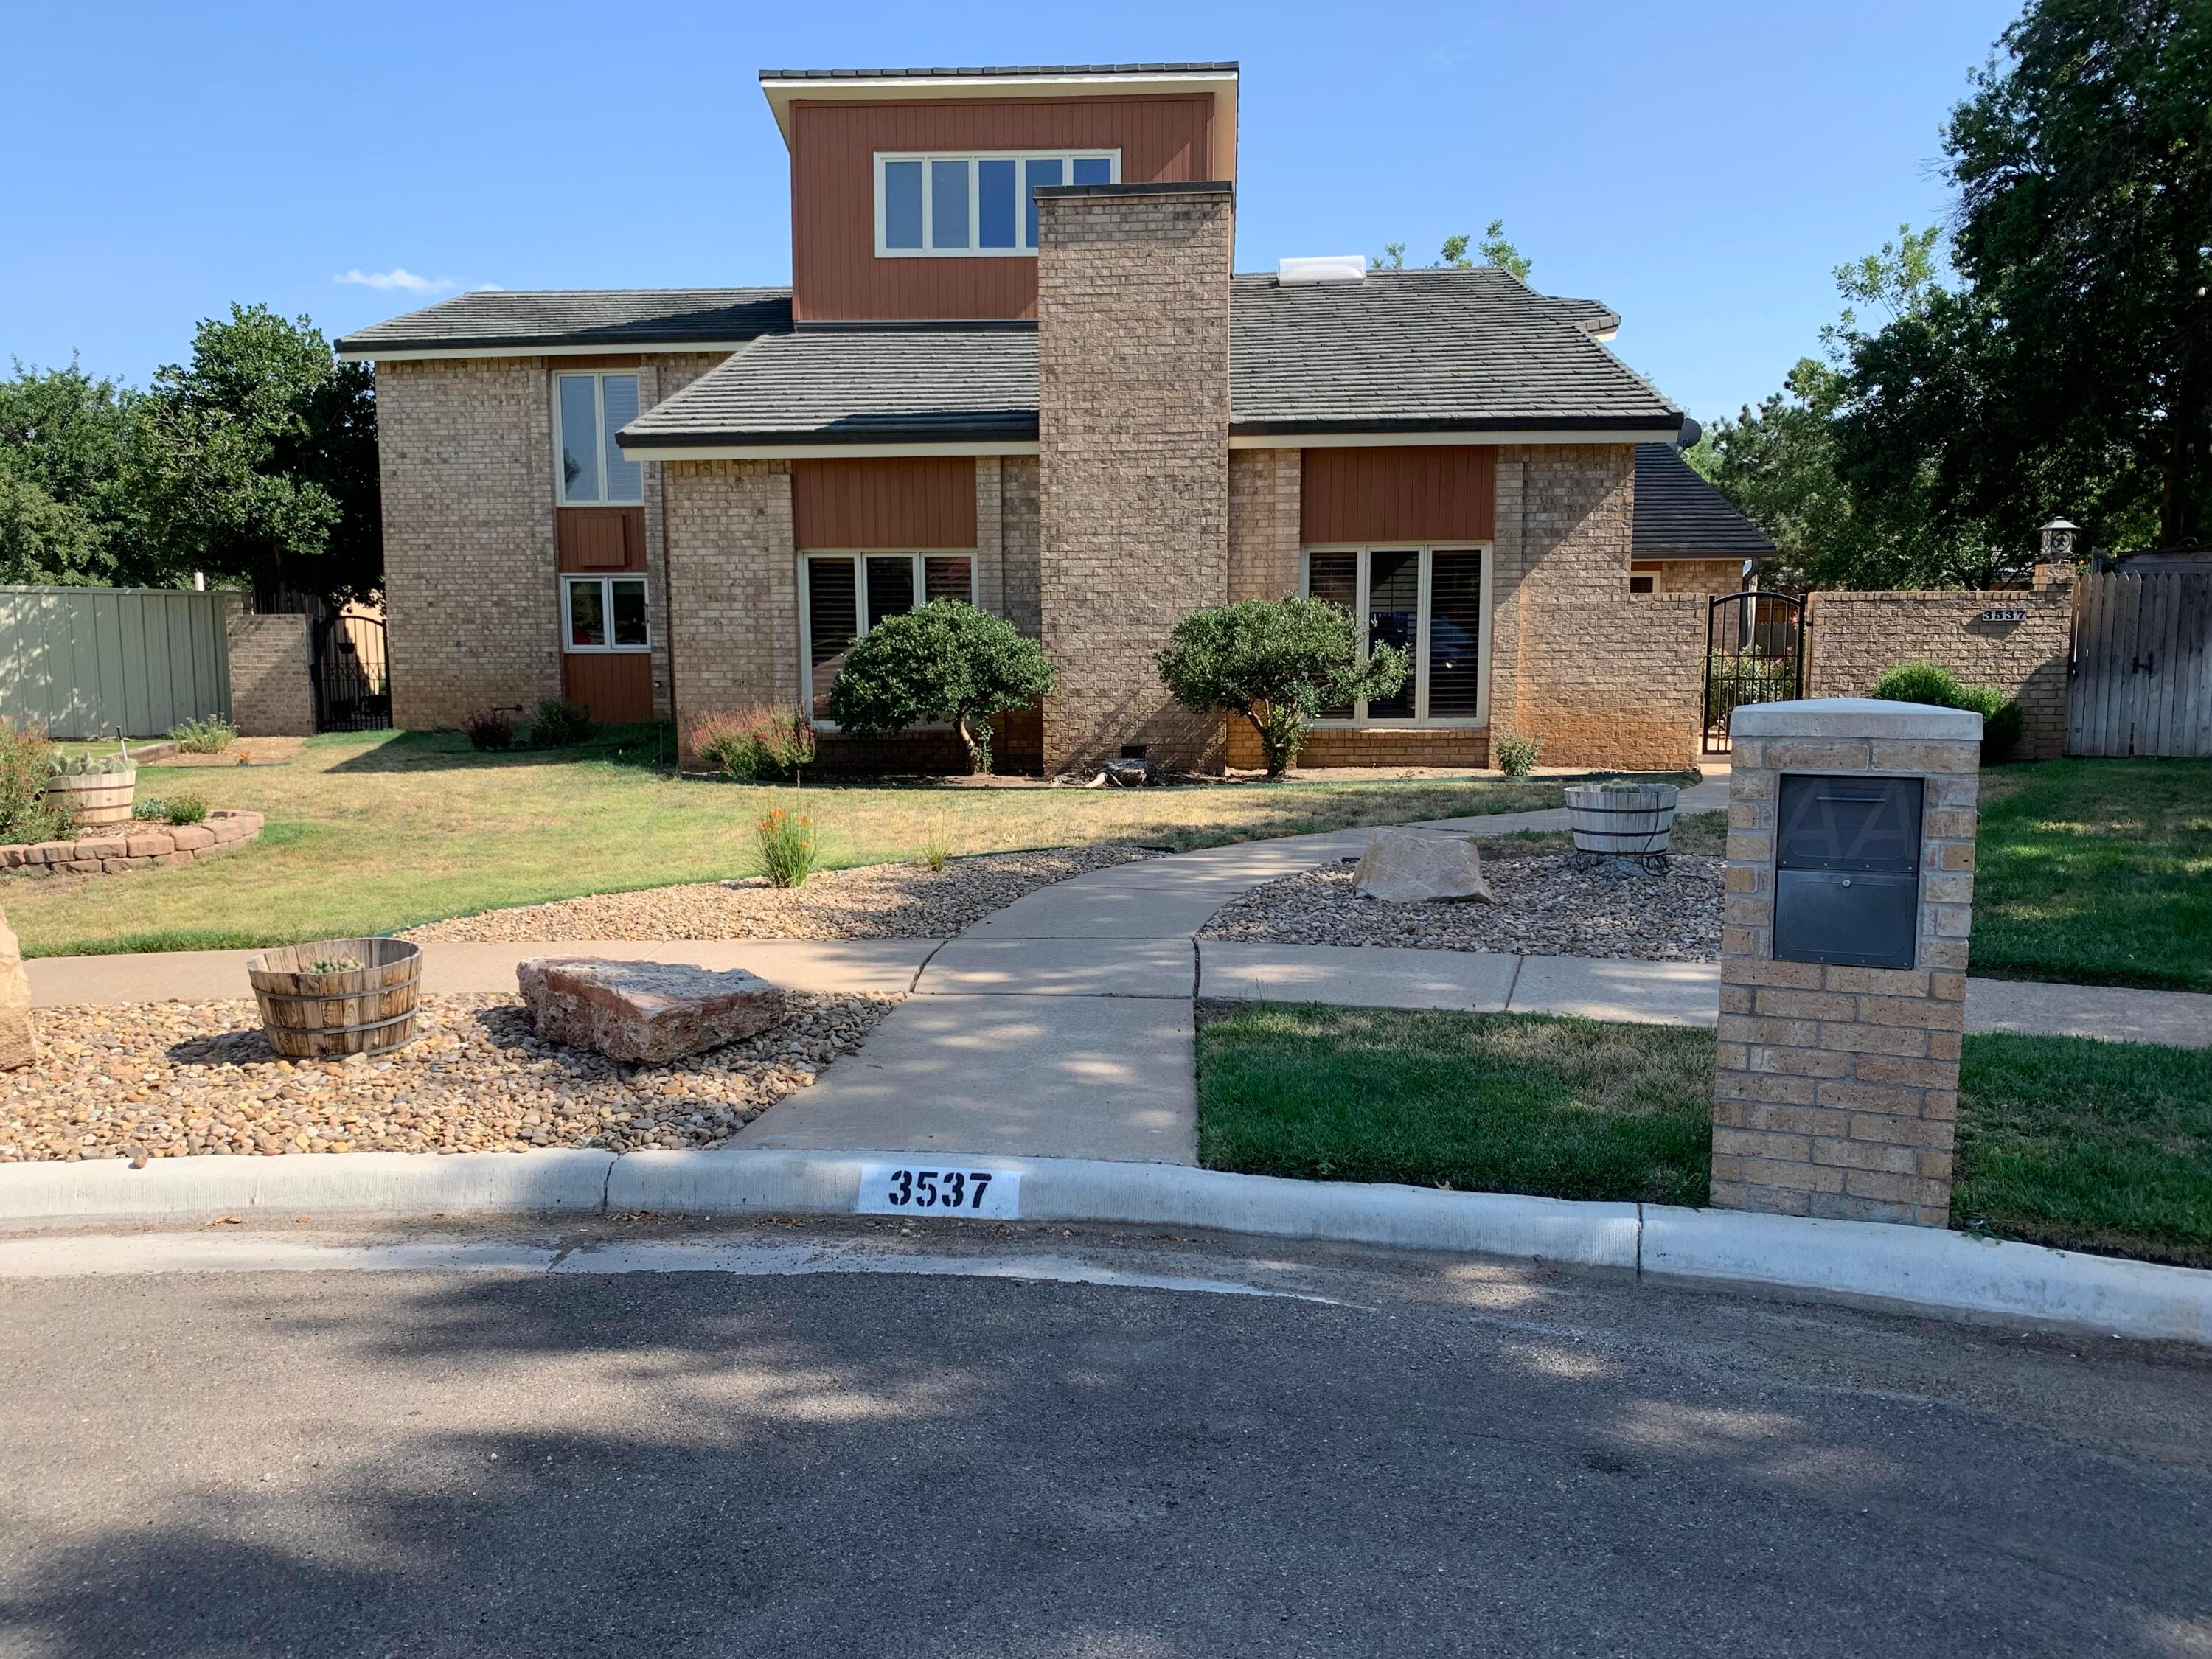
1847	870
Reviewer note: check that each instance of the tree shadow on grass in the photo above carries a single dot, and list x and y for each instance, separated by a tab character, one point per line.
648	748
695	1464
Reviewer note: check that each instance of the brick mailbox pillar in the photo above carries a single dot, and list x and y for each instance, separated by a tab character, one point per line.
1850	898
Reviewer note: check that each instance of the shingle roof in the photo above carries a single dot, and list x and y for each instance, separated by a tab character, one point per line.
1679	514
1404	351
997	70
857	385
613	318
1426	350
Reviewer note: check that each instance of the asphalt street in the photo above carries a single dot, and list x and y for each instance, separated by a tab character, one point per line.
852	1439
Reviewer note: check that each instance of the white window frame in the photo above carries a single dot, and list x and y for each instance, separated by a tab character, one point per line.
860	604
599	379
606	584
1070	157
1428	550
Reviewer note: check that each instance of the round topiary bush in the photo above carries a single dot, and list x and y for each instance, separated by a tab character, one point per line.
2002	721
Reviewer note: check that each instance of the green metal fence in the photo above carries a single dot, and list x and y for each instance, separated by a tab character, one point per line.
82	661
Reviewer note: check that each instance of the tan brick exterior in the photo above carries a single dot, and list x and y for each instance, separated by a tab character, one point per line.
1599	677
1017	544
1133	370
1837	1089
733	584
1706	576
272	694
1263	523
1853	639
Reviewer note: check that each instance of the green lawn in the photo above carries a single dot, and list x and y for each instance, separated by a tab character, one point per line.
2086	1145
2097	872
371	832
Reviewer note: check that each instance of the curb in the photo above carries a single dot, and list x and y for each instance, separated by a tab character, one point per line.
1920	1270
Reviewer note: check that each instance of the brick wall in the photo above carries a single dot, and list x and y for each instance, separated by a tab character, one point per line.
465	454
1401	746
733	584
1133	368
1853	639
272	693
1017	544
1706	576
1598	676
660	378
1263	523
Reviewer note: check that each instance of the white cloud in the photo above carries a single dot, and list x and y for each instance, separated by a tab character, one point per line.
397	277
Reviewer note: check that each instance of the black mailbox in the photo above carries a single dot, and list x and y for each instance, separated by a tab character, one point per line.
1847	871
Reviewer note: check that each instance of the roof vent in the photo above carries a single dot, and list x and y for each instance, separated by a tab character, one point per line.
1327	268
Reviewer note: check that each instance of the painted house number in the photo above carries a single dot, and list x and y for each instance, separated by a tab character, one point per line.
1996	613
910	1189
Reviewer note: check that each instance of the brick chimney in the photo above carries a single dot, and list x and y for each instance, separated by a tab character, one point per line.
1133	430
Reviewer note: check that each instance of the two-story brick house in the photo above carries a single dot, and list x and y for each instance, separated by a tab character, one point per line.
1015	367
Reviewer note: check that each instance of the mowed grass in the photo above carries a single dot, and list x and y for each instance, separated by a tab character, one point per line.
2096	872
370	832
2086	1145
1474	1102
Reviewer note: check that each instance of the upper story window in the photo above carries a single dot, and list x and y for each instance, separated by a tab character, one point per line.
974	206
588	409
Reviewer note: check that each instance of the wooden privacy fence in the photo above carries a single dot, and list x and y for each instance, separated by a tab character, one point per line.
82	661
2142	682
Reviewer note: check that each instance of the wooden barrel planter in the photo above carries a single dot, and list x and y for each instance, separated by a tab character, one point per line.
368	1010
96	798
1624	821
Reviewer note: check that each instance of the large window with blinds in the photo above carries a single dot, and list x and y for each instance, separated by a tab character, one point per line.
842	595
1427	602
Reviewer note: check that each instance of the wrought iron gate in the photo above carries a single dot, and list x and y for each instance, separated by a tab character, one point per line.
353	678
1754	653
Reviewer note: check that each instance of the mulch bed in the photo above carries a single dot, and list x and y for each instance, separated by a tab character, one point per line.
170	1079
1545	907
876	901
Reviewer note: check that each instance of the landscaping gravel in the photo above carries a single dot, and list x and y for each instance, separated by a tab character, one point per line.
1545	907
169	1079
875	901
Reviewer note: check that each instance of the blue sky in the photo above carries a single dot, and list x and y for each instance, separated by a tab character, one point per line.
1701	168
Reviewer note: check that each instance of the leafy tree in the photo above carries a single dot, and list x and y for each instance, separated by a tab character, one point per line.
44	541
2074	369
69	504
1277	663
260	456
1495	248
945	661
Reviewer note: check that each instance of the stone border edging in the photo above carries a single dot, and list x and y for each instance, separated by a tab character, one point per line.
1923	1270
134	846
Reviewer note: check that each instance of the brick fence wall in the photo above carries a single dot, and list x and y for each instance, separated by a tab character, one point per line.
272	693
1853	639
1133	374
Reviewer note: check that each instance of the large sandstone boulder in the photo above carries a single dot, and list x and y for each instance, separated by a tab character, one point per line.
646	1011
19	1038
1405	866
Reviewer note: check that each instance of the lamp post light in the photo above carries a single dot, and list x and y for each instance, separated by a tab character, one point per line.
2058	541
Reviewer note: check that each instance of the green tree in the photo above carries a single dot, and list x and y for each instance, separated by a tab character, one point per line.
1495	248
1277	663
69	507
2073	371
945	661
259	457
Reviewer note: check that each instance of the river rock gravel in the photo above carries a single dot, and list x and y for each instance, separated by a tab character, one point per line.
1545	907
874	900
171	1080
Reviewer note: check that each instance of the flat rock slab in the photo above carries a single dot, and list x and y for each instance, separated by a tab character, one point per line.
646	1013
1400	866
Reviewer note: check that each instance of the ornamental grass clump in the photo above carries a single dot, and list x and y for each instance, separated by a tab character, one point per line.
210	736
789	852
1277	663
937	846
760	745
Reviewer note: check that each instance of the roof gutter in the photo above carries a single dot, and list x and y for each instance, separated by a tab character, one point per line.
421	352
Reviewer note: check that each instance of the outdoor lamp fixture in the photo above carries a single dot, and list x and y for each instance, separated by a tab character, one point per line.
2058	541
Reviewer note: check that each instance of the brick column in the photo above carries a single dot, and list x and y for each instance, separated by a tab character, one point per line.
1132	446
1837	1092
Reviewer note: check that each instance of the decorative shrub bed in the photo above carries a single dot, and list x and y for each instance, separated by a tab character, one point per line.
124	846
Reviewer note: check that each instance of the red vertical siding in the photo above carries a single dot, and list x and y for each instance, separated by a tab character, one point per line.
923	500
835	274
617	686
600	537
1439	493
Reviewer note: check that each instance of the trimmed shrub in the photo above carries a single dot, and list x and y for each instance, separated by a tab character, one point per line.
1277	663
789	852
489	730
945	661
558	723
1515	756
758	744
2003	720
187	806
209	736
27	761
